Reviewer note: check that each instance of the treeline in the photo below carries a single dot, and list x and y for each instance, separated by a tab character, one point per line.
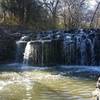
50	14
24	12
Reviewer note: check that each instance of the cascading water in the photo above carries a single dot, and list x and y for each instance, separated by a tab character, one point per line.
70	49
32	53
96	49
27	53
92	52
86	50
42	53
77	49
39	52
83	51
20	46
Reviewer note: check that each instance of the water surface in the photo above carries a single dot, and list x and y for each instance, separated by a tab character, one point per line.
42	85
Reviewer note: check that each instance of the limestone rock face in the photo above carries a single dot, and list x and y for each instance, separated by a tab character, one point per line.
97	49
7	47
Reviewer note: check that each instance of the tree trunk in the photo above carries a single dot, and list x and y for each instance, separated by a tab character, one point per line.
94	14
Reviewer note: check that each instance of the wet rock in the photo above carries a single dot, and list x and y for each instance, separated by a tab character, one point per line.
7	47
43	53
97	49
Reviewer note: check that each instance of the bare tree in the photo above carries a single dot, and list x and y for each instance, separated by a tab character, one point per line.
94	14
53	7
73	11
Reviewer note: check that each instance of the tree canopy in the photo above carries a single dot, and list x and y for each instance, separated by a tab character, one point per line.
50	14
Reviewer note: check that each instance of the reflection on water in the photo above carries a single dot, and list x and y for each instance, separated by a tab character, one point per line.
40	85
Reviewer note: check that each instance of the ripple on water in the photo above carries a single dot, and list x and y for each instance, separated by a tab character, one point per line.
43	86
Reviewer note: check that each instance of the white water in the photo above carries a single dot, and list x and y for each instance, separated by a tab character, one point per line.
27	53
19	49
31	51
37	85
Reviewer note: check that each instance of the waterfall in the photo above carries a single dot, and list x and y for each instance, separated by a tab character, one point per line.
70	49
20	46
83	51
33	53
96	49
27	53
66	46
83	47
42	52
86	50
77	49
37	52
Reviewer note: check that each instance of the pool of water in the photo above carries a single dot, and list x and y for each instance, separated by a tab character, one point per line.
44	85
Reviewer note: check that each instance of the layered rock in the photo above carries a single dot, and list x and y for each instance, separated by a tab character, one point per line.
7	47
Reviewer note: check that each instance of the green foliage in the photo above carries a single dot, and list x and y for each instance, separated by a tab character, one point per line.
25	12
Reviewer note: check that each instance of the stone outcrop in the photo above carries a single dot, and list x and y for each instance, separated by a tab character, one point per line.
7	47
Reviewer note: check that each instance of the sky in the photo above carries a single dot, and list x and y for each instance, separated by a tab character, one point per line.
92	4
